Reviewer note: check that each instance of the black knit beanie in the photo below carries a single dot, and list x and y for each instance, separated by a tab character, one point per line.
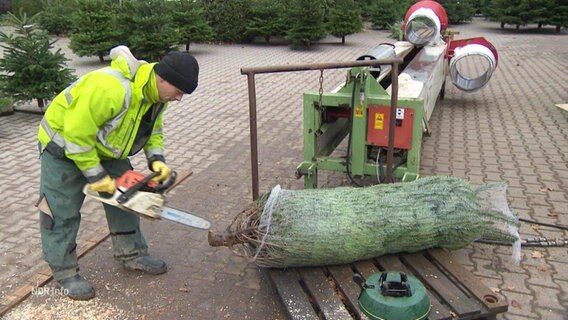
180	69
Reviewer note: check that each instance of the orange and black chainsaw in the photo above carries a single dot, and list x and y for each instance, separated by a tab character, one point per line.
138	194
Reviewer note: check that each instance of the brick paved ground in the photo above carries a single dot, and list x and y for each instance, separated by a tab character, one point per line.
509	131
20	256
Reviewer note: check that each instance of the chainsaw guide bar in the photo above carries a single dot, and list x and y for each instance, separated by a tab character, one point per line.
150	202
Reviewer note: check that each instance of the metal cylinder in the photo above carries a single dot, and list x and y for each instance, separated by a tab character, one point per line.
382	51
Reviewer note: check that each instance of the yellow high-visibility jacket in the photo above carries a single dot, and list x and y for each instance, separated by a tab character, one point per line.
106	114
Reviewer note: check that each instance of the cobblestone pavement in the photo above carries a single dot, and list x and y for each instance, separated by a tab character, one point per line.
508	131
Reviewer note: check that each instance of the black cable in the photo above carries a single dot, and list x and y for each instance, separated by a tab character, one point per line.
349	137
557	226
537	242
381	169
403	160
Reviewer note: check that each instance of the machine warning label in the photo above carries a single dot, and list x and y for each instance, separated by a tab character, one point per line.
379	121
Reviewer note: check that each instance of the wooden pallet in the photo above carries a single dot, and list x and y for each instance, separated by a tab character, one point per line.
331	293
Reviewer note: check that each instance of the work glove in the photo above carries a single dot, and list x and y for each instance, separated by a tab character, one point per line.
105	185
160	166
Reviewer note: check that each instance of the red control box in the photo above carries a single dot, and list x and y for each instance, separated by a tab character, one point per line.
378	127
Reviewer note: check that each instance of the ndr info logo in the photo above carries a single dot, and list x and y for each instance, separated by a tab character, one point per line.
43	291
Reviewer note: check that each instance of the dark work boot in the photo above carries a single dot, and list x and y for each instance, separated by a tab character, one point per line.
77	288
146	264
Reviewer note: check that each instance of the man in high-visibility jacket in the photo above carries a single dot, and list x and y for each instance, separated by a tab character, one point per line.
86	136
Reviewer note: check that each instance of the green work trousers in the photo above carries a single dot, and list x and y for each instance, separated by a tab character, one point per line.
62	185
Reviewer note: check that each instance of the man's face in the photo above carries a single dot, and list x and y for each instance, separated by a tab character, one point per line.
167	91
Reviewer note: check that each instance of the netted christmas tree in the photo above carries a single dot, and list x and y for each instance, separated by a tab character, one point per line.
314	227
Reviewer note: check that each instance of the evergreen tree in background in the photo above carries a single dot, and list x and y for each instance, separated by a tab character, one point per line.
95	31
365	7
31	69
150	27
384	13
491	11
228	18
344	19
402	6
558	15
523	12
266	19
458	10
507	12
56	17
481	6
29	7
535	11
305	21
189	18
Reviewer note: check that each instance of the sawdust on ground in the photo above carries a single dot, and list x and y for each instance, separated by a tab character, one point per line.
61	307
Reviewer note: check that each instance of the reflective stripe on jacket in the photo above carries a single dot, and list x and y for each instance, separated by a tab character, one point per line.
98	117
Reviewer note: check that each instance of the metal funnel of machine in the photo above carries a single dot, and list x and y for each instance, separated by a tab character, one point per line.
424	23
423	28
472	63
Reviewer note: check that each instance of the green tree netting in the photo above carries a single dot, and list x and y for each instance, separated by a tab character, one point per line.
316	227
